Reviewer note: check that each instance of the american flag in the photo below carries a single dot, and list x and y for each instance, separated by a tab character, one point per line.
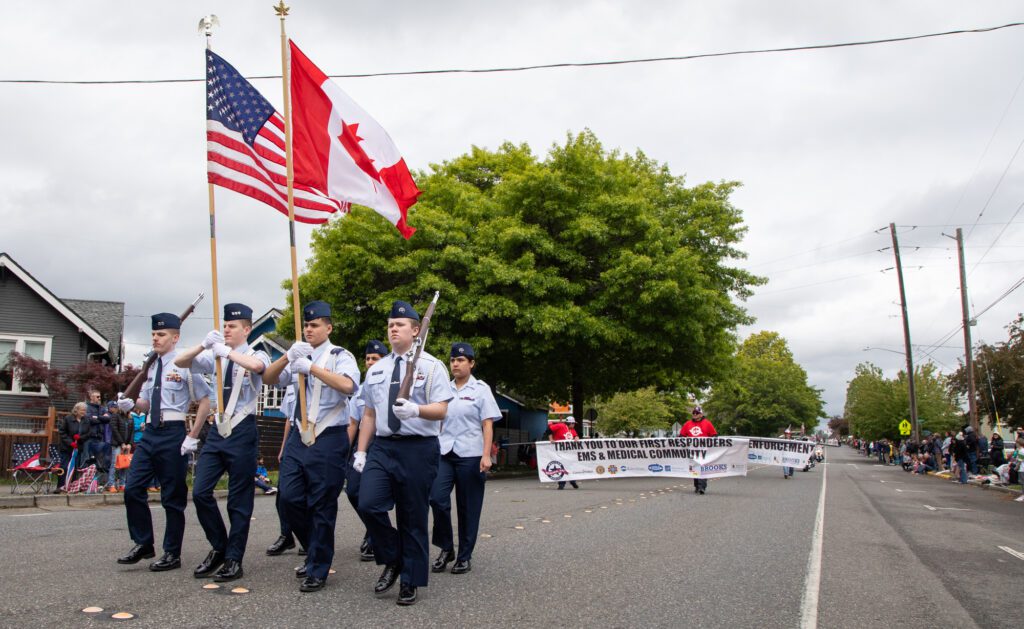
245	148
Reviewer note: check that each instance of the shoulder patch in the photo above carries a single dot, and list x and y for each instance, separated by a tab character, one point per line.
337	350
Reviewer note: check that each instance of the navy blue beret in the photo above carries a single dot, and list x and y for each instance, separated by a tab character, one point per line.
376	347
316	310
166	321
234	312
403	310
463	349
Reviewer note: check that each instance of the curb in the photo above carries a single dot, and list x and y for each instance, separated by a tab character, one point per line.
82	501
986	486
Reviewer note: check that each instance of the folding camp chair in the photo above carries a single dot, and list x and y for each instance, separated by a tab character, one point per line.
29	473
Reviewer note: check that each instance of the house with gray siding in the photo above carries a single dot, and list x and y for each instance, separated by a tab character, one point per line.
63	332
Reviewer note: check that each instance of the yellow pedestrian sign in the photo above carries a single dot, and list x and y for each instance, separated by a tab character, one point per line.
904	428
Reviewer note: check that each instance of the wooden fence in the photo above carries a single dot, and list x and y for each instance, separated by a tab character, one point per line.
18	428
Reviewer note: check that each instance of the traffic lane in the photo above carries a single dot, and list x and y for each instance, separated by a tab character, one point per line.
666	553
957	539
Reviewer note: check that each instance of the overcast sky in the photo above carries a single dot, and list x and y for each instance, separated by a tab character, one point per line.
103	187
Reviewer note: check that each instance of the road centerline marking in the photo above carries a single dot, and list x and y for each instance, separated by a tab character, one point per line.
1015	553
812	586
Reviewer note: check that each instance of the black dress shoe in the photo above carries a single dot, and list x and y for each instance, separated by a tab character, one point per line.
136	554
442	561
387	579
166	562
230	571
280	545
312	584
300	572
406	595
209	565
367	555
462	567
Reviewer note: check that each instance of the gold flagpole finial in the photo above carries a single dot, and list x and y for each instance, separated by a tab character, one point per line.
207	23
281	9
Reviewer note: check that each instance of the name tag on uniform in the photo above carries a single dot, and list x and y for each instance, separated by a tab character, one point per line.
468	399
375	377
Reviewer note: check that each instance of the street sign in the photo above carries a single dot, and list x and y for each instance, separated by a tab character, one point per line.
904	428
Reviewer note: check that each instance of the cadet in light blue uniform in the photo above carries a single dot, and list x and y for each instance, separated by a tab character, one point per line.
232	443
401	464
374	352
161	454
465	458
311	476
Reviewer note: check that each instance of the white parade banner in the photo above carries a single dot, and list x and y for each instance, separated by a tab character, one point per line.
780	452
685	457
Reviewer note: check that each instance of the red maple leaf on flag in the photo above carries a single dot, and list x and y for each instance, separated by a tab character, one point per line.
350	140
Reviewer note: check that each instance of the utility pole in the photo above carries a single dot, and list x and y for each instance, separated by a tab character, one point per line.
968	350
906	337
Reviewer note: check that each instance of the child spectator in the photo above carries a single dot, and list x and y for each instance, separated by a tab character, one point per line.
263	478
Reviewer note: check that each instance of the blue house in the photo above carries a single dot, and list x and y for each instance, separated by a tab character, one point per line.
264	337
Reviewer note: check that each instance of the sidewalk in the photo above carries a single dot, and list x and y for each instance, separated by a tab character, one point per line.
80	501
946	476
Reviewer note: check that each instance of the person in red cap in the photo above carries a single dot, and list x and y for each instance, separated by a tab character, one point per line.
698	426
564	431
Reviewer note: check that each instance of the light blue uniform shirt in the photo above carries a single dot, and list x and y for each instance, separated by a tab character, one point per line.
430	386
356	406
288	401
251	383
341	361
463	425
174	391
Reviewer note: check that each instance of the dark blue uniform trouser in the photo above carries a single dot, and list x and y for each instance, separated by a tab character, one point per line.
158	455
399	473
310	481
286	529
462	472
235	455
352	480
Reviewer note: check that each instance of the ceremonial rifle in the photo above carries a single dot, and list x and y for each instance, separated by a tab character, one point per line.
421	340
132	390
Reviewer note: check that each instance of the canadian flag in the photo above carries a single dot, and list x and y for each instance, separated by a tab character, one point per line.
342	150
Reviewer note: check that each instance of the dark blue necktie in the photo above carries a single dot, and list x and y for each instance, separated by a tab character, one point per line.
394	424
154	395
228	382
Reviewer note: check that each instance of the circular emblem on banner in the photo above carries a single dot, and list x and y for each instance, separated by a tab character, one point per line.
555	470
599	469
613	469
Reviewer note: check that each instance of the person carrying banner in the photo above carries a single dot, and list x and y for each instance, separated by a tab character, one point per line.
374	352
466	438
698	426
230	445
399	467
787	472
160	454
564	431
311	476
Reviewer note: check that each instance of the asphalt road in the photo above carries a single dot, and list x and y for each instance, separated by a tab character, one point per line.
615	553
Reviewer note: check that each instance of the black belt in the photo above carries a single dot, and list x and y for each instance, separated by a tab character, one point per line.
407	437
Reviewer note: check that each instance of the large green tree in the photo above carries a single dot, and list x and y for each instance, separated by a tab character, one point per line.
765	392
634	412
875	405
582	274
998	377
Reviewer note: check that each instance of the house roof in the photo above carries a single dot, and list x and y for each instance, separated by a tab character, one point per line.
106	316
273	313
86	327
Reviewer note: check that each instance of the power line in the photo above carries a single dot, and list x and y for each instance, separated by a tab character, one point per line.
549	66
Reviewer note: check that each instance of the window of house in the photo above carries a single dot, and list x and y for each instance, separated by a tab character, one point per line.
270	398
37	347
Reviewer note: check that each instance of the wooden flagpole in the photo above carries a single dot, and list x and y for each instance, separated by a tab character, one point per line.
282	12
206	27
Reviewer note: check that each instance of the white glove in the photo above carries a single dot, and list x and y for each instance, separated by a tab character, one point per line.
125	404
212	338
302	365
191	444
220	350
359	462
299	349
404	409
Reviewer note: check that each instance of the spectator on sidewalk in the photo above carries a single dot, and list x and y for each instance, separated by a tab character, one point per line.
263	478
946	454
960	455
997	450
98	446
925	463
69	430
121	429
971	439
983	456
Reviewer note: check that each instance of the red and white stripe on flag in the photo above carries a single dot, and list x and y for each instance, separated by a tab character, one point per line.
342	150
246	148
